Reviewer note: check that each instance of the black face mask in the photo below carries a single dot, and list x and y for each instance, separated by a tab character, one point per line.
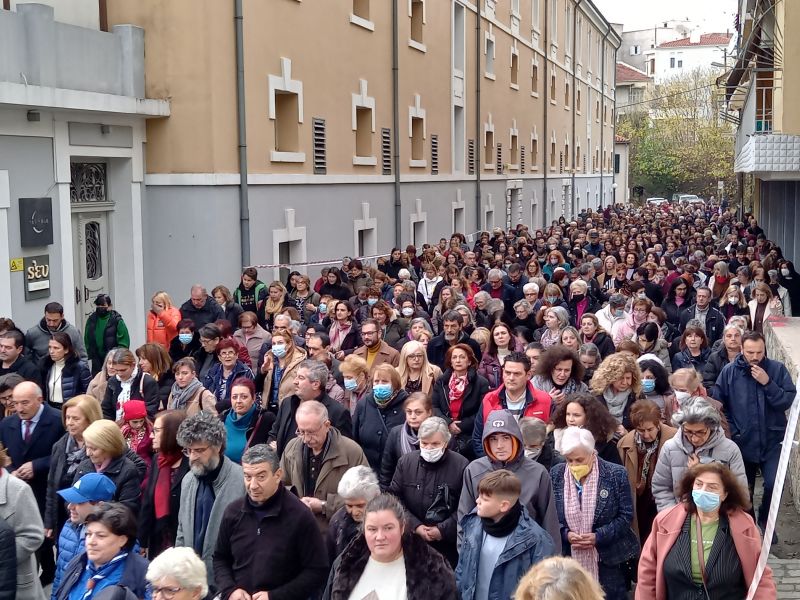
101	311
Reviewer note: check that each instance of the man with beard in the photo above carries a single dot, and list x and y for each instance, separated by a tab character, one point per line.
452	334
214	481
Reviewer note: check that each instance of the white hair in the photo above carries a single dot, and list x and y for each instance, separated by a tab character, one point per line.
433	425
576	438
359	483
531	287
182	565
404	274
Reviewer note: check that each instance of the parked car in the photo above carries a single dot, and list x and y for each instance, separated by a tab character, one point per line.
656	201
691	199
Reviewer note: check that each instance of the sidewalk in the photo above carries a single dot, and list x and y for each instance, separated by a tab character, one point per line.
787	577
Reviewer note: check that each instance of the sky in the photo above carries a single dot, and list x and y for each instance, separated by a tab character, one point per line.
712	15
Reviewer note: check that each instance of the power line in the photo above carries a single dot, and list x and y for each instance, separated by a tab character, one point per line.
675	94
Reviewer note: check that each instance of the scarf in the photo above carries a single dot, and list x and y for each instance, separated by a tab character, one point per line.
579	513
180	396
616	402
550	338
74	457
338	333
648	450
408	439
456	388
134	437
507	523
97	574
163	483
125	391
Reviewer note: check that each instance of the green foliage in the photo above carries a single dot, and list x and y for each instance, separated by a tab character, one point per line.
678	143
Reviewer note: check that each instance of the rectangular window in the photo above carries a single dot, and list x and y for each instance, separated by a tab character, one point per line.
488	149
417	141
567	99
515	71
361	9
417	20
515	7
534	153
578	99
554	22
568	27
287	128
386	151
552	156
490	57
671	62
535	79
680	63
566	157
513	157
537	11
578	159
363	131
553	88
320	160
616	163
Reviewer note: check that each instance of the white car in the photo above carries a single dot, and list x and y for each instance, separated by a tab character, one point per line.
690	199
656	201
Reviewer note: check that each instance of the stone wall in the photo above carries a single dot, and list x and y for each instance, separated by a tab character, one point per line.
783	344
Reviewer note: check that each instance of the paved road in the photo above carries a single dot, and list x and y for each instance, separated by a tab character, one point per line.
787	577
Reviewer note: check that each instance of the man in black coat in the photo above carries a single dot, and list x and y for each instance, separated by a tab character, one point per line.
201	308
701	310
310	381
268	541
452	334
12	345
28	437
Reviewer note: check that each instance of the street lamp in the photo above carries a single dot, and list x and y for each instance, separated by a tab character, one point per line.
614	192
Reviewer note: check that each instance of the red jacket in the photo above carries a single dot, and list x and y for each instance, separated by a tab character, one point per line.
539	408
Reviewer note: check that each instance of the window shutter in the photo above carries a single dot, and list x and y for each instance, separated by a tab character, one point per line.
386	150
522	160
434	154
471	157
499	159
320	160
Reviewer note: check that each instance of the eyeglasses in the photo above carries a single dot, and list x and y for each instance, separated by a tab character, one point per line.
307	434
190	451
416	356
695	434
166	592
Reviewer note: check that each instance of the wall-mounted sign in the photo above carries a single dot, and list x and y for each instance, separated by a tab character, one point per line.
37	277
35	222
16	265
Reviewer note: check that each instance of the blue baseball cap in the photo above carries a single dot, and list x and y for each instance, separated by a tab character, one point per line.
92	487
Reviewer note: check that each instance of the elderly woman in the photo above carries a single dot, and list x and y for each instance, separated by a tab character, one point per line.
187	392
559	373
458	394
729	349
246	423
278	369
222	375
524	315
229	307
161	499
428	482
107	453
179	574
617	383
251	335
699	440
378	412
592	333
694	349
762	305
711	518
128	383
77	414
595	509
355	374
580	302
368	564
584	411
416	373
356	488
555	319
502	342
639	450
162	320
416	326
109	568
558	578
155	361
538	446
62	371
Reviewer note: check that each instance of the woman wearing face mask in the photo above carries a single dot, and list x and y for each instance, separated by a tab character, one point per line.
356	488
790	279
580	303
729	349
128	383
711	518
378	412
626	328
538	445
648	336
355	374
428	482
104	331
592	333
595	508
186	343
404	438
639	450
733	303
617	384
655	384
700	440
584	411
686	384
278	369
553	261
694	349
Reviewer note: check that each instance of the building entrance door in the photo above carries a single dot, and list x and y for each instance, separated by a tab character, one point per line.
91	261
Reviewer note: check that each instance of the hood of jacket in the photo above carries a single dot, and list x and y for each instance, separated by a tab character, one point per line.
502	421
45	329
716	438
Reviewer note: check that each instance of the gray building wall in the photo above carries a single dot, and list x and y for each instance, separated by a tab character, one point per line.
29	162
779	216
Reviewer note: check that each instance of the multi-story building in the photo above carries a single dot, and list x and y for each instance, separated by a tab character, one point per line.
72	134
763	90
687	54
631	90
638	45
361	124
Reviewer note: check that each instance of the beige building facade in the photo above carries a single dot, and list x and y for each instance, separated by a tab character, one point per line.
365	124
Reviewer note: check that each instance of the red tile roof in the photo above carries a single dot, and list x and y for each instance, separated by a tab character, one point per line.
706	39
626	73
621	139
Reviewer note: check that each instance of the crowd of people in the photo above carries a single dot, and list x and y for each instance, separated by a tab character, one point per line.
569	412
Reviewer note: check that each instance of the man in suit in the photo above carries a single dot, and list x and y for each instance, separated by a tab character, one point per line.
28	437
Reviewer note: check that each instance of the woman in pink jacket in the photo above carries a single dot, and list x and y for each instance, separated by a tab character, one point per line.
707	546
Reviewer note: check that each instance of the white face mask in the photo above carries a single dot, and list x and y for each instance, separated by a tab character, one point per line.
533	453
431	455
785	272
733	300
682	397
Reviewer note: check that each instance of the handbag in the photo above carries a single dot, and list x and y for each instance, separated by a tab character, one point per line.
442	506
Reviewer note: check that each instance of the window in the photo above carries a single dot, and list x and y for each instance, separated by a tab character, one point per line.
515	70
363	125
534	153
360	15
417	139
597	111
489	49
671	62
287	130
566	156
417	15
680	63
488	146
286	114
537	12
578	99
578	159
515	7
568	27
553	155
636	95
535	78
554	22
616	163
635	50
553	87
579	41
363	132
566	94
513	157
320	160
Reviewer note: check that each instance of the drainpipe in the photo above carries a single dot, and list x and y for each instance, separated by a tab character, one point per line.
614	142
478	159
574	96
241	126
602	96
546	103
396	126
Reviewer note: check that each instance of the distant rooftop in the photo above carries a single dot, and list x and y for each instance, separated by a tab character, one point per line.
626	73
706	39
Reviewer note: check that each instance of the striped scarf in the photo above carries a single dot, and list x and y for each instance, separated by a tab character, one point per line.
579	513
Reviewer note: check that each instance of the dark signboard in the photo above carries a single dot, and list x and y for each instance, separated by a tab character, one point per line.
35	222
37	277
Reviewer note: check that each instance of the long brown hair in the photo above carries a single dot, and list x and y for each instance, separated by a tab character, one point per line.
737	496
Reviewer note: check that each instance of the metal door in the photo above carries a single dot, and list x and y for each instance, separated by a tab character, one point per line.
91	254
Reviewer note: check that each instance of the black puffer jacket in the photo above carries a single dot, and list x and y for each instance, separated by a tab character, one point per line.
143	387
417	484
371	425
477	388
391	454
75	378
126	474
716	360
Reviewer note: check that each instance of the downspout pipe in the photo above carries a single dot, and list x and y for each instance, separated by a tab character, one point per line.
614	141
478	145
603	108
575	58
546	104
398	228
241	126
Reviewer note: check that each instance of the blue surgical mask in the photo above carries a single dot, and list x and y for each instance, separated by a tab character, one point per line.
350	384
382	391
323	307
552	299
372	301
185	338
706	501
279	350
619	312
648	386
